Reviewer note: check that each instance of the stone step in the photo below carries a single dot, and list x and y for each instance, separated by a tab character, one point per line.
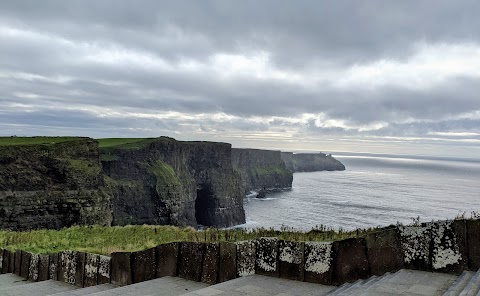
11	280
262	285
459	284
158	287
38	289
87	291
473	286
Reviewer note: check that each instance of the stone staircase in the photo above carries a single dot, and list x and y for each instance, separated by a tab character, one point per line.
403	282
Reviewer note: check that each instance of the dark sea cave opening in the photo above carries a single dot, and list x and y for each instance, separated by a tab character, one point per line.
203	205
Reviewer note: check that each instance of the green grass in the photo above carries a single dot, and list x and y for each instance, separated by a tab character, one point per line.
271	170
105	240
10	141
112	142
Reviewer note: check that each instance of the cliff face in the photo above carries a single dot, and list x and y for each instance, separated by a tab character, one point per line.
52	186
311	162
261	169
164	181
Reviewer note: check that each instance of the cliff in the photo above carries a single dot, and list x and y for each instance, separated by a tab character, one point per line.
261	169
164	181
311	162
53	184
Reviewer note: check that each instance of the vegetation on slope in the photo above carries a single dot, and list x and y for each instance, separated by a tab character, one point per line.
106	240
11	141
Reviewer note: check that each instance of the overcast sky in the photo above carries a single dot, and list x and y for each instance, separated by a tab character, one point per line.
364	76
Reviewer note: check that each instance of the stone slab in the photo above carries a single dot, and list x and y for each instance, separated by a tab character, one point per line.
121	269
104	270
446	255
1	261
17	265
473	239
290	260
318	257
91	269
190	260
143	265
350	261
167	259
6	261
246	257
43	267
53	268
25	264
416	242
211	263
67	265
79	269
33	267
228	262
384	251
267	256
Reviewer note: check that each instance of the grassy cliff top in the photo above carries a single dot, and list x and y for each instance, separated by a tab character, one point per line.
11	141
129	143
106	240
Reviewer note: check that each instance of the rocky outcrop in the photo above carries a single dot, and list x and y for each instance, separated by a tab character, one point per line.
164	181
52	186
311	162
261	170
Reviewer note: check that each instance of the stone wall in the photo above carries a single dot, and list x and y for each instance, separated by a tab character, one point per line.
444	246
261	170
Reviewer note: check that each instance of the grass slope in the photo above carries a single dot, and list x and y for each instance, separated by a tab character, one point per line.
10	141
105	240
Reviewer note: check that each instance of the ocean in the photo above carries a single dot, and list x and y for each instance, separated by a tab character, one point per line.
374	190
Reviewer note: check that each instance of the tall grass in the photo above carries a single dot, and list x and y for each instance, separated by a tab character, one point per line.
106	240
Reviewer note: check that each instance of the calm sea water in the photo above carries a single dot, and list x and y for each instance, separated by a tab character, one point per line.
373	191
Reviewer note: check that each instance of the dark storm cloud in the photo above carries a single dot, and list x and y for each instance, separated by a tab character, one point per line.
385	68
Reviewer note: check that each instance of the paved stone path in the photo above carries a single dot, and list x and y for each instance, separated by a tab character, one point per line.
403	282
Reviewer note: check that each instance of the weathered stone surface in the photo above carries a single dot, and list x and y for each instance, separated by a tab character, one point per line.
91	269
167	259
228	262
79	269
416	246
350	261
1	261
211	263
43	267
53	266
318	262
25	264
460	231
5	261
473	238
261	170
290	260
267	256
67	264
190	260
121	272
12	262
104	270
445	251
143	265
17	263
246	257
33	268
384	251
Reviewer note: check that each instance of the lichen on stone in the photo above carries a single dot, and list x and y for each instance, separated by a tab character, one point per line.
266	254
246	253
104	266
445	248
291	252
33	268
319	257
